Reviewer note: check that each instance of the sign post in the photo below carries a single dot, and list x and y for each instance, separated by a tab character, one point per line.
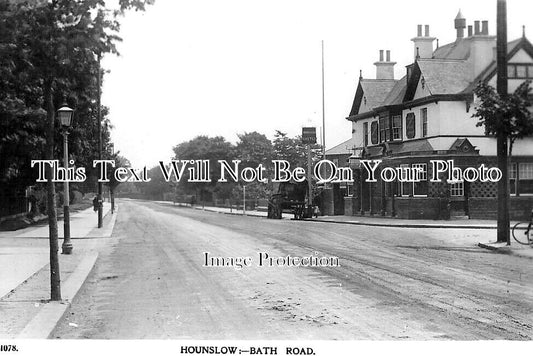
309	138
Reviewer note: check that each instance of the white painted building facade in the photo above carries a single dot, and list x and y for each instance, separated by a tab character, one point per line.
427	114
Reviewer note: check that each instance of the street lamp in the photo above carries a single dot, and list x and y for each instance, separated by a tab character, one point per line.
65	114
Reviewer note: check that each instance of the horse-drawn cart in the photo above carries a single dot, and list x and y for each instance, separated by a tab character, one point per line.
289	197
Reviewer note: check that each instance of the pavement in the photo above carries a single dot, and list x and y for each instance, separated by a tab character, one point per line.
380	221
25	309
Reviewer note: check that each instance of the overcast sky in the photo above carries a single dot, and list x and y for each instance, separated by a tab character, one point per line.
224	67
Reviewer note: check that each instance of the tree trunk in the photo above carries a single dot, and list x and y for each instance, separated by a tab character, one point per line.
55	280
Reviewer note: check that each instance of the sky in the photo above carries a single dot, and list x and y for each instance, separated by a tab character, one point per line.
226	67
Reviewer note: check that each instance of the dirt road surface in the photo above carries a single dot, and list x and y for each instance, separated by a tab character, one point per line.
392	283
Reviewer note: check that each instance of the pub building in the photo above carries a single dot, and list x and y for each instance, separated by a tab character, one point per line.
427	115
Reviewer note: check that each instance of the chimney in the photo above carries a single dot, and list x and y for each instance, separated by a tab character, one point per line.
384	68
481	48
485	28
423	45
460	25
470	31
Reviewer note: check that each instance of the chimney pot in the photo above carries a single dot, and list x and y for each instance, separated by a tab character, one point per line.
485	28
427	31
419	32
469	30
384	69
460	25
476	28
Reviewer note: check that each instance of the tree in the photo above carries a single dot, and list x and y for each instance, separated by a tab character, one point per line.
508	118
206	148
289	149
157	187
49	55
254	148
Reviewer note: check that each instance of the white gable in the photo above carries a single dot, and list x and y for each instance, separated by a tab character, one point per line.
521	57
364	107
422	89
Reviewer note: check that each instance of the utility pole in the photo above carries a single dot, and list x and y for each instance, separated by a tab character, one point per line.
309	185
99	111
243	200
501	146
323	109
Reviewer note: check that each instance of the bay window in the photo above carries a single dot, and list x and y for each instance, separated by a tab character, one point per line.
521	178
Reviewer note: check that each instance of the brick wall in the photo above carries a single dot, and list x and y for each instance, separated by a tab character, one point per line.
487	208
422	208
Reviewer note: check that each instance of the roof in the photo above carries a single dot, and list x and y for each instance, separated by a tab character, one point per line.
397	93
512	48
445	76
414	146
460	49
448	75
345	147
376	90
373	151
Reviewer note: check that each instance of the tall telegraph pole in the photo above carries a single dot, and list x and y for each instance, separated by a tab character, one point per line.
99	114
323	109
501	146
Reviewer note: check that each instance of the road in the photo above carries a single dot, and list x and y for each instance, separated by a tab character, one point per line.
392	283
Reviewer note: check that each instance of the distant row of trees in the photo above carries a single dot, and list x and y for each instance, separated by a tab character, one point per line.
252	148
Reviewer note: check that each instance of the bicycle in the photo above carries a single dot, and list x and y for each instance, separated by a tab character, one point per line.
525	237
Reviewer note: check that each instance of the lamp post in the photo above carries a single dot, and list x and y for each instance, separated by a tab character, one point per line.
65	115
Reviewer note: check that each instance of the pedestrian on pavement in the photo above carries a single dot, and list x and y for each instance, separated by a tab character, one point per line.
95	203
